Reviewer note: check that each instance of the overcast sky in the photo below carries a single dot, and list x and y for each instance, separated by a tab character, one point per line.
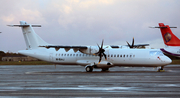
87	22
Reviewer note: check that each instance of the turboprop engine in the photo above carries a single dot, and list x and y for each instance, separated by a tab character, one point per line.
90	50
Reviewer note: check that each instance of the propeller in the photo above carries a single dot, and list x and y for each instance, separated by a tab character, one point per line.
101	51
131	46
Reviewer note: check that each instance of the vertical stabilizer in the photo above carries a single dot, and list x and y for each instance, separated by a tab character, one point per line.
169	38
33	41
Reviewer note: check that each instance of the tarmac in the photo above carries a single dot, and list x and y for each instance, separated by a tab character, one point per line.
48	81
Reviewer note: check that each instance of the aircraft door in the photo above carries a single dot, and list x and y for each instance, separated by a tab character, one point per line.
51	57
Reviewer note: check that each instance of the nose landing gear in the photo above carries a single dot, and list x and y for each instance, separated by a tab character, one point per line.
160	69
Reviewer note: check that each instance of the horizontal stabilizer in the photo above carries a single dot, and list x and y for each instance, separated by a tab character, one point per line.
24	25
163	27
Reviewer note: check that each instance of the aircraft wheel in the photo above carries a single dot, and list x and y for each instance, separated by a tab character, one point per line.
105	69
161	69
89	69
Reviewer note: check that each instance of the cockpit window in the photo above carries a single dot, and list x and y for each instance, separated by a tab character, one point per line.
155	53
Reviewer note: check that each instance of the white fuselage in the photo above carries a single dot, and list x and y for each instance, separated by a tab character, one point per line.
118	57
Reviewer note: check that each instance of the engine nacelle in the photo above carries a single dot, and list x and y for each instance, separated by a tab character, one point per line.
103	64
91	50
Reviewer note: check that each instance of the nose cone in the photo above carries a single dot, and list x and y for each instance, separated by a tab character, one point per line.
167	60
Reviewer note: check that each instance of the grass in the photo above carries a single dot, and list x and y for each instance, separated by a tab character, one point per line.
25	63
175	62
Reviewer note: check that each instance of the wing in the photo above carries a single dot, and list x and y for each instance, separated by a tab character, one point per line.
135	46
67	48
140	45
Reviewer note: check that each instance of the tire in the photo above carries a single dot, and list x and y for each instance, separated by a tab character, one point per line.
89	69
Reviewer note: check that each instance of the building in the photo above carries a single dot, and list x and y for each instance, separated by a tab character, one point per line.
18	58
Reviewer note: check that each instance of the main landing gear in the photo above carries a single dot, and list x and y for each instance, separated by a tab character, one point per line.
160	69
89	68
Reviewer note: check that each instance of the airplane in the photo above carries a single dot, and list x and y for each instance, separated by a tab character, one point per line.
171	41
103	56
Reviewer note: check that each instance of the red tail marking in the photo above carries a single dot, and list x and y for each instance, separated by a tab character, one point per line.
169	38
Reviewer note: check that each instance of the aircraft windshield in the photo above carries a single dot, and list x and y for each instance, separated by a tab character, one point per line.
154	53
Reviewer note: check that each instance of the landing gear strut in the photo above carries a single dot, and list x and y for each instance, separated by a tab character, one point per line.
161	69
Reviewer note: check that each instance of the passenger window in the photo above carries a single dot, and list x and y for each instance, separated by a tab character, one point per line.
111	55
70	54
56	59
124	56
79	54
108	55
130	56
118	55
114	55
61	54
121	56
127	56
64	54
67	54
73	54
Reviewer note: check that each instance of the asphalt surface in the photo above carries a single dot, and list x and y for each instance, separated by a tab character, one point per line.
46	81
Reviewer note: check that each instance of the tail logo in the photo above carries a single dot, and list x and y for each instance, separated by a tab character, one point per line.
167	37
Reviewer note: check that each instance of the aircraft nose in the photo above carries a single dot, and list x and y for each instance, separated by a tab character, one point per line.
167	60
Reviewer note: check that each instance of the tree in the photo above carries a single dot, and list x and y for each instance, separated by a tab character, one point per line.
1	55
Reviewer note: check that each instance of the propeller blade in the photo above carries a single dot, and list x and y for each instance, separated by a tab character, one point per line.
128	44
102	44
132	46
98	46
100	56
105	56
101	52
